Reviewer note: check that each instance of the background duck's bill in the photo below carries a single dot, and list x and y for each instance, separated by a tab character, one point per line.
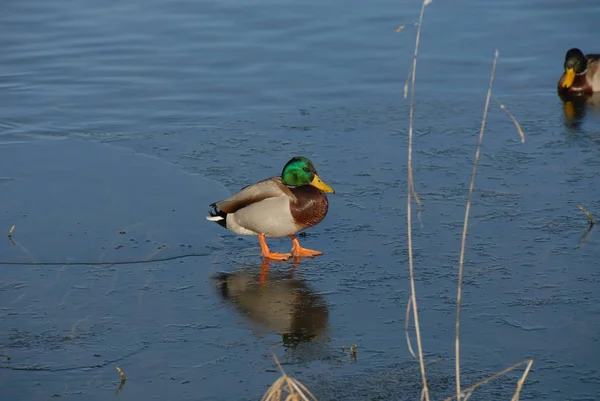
569	78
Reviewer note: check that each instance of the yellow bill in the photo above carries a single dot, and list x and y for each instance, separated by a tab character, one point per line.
569	78
317	183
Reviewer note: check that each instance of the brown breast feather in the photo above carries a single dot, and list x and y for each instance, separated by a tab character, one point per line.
310	207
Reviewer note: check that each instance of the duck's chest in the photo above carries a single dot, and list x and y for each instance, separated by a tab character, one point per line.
581	84
310	207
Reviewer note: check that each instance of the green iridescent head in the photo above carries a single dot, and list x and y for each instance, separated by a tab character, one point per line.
575	64
300	171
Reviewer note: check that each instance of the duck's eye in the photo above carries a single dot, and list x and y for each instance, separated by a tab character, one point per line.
306	169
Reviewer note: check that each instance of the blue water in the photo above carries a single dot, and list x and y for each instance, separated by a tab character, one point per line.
121	121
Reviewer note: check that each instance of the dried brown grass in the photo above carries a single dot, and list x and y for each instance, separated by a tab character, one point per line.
588	214
412	193
287	387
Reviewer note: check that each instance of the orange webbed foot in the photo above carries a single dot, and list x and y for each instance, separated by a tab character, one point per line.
271	255
277	256
298	251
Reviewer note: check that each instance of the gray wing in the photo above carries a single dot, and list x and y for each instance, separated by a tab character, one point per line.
269	188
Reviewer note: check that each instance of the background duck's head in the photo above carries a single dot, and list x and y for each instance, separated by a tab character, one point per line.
575	63
300	171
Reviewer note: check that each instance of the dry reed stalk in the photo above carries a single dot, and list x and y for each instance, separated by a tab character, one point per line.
517	125
588	214
296	391
121	373
466	392
521	381
123	380
465	225
591	225
410	194
406	323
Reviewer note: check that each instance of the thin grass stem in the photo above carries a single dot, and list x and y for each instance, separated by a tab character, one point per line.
406	324
514	120
465	225
410	194
466	392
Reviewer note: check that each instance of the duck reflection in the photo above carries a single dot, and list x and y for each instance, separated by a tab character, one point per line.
276	302
575	107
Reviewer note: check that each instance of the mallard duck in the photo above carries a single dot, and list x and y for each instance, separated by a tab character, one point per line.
582	73
277	207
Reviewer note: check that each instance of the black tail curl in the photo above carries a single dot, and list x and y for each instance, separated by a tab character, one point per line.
216	212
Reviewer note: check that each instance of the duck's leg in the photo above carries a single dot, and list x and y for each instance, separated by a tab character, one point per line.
271	255
298	251
264	271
